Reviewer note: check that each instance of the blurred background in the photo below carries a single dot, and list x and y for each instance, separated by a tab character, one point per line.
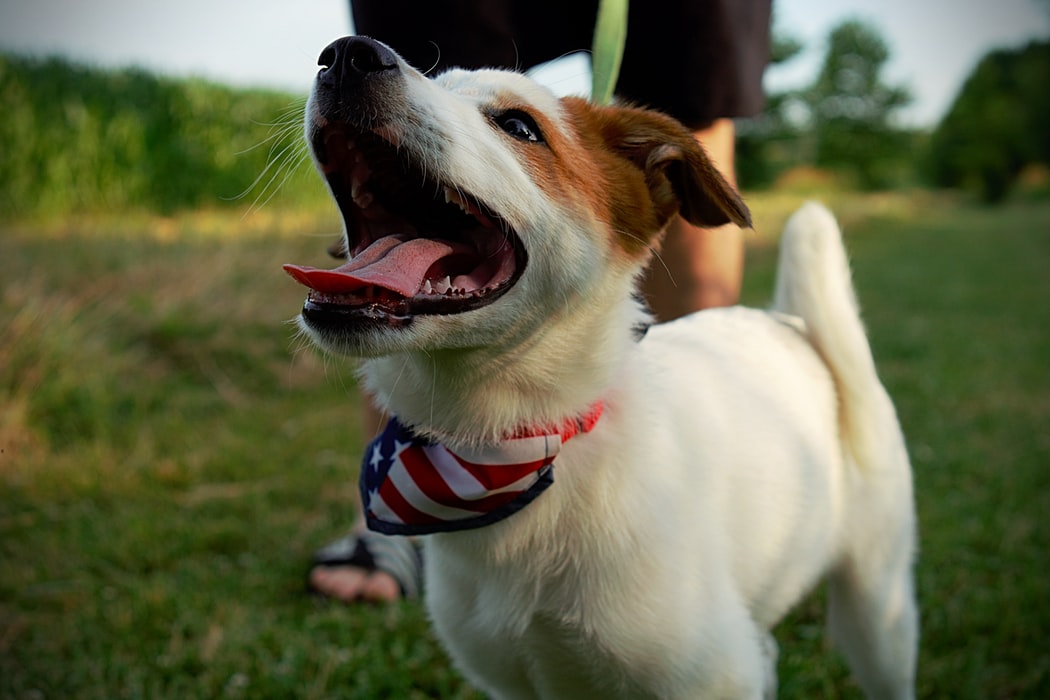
170	454
886	95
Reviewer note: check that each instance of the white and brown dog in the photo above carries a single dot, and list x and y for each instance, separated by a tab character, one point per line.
615	516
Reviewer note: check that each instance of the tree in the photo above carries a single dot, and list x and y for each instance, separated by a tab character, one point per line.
759	139
997	124
850	108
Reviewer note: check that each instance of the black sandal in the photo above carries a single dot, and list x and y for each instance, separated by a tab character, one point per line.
398	556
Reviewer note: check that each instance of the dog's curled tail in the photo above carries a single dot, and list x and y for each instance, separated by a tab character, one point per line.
814	283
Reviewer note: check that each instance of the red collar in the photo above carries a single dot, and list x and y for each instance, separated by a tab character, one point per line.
570	427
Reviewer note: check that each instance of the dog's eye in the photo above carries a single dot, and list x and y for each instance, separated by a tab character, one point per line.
519	125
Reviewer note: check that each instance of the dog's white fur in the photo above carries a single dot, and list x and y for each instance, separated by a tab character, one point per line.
742	454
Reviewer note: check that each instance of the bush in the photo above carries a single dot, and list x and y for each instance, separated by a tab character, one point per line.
997	124
77	139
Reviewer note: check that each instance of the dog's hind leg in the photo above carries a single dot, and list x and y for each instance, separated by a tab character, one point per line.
770	654
872	613
874	621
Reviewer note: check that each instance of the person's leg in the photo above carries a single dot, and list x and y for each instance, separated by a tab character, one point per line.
350	583
699	268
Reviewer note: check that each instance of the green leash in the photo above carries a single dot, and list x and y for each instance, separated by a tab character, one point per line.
610	34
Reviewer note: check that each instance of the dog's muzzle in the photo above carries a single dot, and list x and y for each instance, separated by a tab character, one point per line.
417	244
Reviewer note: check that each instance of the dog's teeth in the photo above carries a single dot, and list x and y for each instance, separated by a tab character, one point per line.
428	288
454	197
442	286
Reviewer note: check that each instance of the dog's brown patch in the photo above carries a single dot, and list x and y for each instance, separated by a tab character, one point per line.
632	169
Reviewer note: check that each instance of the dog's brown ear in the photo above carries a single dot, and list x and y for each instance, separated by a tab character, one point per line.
680	176
704	196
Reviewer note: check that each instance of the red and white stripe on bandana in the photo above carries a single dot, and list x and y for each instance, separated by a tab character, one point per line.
413	486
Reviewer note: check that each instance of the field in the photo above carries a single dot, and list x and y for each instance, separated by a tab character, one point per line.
170	456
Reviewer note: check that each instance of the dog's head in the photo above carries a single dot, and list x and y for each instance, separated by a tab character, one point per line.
478	204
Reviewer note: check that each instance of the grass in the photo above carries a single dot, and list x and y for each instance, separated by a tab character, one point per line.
169	459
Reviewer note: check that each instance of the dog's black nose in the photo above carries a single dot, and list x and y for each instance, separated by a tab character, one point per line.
347	61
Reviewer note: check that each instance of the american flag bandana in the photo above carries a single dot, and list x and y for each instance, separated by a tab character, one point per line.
414	486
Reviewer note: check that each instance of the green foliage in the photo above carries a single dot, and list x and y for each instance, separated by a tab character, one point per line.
997	125
79	140
760	140
842	123
851	109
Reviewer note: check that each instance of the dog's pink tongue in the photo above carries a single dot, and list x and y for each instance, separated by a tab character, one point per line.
391	263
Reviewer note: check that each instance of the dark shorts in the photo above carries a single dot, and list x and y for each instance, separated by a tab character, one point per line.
697	60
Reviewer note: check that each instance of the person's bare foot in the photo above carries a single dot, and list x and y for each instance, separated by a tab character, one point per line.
367	566
350	584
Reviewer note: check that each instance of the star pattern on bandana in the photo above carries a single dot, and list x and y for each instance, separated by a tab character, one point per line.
413	485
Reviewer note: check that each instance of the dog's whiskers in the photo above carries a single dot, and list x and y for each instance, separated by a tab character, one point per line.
437	59
286	156
652	249
283	166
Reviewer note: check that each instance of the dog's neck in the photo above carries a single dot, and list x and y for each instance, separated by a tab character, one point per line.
480	395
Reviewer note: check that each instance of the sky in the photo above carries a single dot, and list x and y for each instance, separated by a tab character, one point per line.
934	44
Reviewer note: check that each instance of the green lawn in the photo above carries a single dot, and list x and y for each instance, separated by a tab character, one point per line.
170	457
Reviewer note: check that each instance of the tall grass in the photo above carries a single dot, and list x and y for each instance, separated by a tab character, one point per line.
169	459
80	140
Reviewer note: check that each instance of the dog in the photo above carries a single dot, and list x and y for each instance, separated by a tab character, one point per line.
676	487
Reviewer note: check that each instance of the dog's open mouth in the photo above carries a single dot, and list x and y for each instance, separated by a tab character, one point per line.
416	245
